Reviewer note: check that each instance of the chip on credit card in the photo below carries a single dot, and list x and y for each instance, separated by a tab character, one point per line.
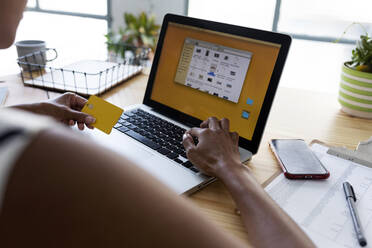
106	114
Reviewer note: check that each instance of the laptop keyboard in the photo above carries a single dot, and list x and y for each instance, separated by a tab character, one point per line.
156	133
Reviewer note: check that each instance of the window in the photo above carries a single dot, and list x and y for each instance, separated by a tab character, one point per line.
213	69
325	20
250	13
31	3
76	28
81	6
314	61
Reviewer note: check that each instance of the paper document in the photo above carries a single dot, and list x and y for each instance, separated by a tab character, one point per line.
320	208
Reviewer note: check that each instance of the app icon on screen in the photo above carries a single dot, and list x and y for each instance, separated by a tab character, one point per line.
245	114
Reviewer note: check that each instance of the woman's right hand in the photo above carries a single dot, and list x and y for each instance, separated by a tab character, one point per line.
217	148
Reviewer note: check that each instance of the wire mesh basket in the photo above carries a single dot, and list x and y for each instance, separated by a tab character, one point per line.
87	77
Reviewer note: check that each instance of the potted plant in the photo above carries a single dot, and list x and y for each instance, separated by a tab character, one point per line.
355	95
139	36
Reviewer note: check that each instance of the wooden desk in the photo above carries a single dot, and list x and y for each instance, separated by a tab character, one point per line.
295	114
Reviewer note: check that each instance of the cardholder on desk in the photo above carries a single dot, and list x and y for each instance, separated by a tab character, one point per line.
106	114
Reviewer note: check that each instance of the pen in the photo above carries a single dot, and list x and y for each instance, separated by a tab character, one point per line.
350	199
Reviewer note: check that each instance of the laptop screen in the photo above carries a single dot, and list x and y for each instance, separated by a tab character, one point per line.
205	73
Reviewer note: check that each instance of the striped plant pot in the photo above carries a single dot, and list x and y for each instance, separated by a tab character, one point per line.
355	95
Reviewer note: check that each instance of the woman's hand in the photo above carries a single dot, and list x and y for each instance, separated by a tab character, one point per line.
217	154
65	108
217	147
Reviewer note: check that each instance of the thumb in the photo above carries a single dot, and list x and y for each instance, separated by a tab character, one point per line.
79	116
188	142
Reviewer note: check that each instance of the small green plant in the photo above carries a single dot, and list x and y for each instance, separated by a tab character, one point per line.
361	58
140	32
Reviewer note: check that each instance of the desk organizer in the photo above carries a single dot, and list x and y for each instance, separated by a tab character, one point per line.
88	77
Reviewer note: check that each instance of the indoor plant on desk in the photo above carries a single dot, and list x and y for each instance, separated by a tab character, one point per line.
139	35
355	95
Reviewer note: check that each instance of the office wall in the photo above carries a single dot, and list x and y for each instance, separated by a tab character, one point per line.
158	7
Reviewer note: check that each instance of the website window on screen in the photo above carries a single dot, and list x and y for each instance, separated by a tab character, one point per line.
213	69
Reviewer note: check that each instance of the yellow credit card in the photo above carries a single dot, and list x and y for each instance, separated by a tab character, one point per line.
106	114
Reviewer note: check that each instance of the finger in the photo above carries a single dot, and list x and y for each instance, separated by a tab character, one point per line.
71	122
204	124
214	123
195	131
188	142
90	126
81	126
79	116
78	102
235	137
225	124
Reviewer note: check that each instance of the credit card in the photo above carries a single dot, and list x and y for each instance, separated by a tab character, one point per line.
106	114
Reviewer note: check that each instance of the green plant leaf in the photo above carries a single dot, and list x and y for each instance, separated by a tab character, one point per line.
140	30
362	54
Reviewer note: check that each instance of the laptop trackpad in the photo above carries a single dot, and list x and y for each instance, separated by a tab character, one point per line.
122	144
176	177
134	151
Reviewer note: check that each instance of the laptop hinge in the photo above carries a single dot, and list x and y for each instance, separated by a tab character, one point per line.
245	155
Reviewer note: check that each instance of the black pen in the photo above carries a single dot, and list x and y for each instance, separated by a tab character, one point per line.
350	199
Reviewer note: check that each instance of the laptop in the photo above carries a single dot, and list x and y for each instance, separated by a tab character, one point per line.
200	69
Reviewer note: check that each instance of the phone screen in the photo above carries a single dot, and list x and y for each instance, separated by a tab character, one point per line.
296	157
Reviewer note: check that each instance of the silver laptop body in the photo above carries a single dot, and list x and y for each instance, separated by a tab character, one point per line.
181	179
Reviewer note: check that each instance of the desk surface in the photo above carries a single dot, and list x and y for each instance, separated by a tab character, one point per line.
295	114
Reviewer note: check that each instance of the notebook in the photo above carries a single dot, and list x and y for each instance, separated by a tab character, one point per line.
319	206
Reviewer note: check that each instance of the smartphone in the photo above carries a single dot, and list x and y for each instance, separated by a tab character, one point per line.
297	160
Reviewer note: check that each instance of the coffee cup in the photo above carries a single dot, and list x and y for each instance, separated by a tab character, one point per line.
31	54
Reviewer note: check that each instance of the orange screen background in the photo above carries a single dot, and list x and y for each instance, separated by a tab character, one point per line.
202	105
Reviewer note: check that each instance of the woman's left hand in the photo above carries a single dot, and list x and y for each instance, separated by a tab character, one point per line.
67	109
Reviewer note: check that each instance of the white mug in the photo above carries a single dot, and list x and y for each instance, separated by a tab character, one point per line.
35	47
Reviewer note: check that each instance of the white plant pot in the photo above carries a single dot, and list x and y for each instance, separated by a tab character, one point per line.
355	95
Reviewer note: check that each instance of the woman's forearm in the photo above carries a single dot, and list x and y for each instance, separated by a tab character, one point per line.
265	222
31	107
66	108
217	154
